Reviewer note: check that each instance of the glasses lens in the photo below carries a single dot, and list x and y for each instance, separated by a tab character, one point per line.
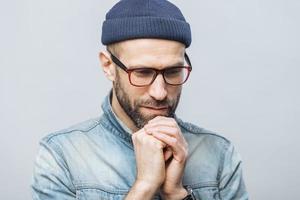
141	77
176	75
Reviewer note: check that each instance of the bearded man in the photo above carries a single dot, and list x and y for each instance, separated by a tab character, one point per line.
138	148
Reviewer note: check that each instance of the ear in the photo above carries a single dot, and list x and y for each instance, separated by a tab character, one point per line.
107	65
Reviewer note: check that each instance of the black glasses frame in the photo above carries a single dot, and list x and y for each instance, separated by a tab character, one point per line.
158	71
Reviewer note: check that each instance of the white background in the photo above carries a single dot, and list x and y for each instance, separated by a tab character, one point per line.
244	85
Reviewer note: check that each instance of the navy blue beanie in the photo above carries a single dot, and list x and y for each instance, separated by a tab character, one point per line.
132	19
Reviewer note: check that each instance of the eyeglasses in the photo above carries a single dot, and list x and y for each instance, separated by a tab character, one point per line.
141	77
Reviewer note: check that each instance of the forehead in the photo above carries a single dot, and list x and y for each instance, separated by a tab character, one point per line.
151	52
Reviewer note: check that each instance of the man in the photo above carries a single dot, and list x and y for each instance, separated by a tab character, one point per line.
139	148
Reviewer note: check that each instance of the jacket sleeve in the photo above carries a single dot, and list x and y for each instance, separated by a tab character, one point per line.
232	186
51	178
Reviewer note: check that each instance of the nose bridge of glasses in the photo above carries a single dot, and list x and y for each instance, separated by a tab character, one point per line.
158	73
157	88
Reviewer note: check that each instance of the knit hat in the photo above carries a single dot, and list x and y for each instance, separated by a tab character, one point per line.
132	19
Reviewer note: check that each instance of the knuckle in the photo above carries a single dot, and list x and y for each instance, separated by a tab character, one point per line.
140	138
185	153
174	141
160	145
175	131
174	123
133	137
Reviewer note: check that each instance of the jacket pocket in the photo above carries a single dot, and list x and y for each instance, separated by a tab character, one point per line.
206	191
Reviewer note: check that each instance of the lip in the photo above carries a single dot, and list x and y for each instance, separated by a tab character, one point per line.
156	108
156	111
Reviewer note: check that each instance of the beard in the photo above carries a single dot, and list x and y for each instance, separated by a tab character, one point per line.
132	109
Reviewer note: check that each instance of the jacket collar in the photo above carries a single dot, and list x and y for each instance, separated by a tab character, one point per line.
115	124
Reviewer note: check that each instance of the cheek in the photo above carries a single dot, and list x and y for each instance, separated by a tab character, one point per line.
127	88
174	91
134	94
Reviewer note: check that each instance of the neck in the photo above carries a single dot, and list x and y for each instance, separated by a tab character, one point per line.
121	114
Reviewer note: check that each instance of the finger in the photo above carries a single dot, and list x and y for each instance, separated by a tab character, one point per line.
143	138
179	150
161	119
171	131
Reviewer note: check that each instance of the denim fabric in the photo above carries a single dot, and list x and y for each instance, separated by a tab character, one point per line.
95	160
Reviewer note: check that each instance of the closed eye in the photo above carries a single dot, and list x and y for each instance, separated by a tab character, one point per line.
173	71
143	72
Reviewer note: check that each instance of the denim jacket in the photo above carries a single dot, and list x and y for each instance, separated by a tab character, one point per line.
95	160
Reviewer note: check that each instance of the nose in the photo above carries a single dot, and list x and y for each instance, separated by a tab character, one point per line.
157	89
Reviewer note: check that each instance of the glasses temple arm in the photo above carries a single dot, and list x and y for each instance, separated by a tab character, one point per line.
187	59
117	61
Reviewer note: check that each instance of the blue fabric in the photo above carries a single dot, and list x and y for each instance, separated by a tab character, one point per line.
95	160
131	19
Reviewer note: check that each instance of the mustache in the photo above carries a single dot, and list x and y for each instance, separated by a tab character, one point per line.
155	103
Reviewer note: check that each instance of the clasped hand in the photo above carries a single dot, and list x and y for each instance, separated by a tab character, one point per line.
161	153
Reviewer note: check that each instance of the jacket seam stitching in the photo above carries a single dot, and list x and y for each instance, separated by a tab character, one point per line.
97	187
50	138
190	130
59	153
222	163
234	172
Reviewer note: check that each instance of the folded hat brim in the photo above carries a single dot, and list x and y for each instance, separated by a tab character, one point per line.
120	29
